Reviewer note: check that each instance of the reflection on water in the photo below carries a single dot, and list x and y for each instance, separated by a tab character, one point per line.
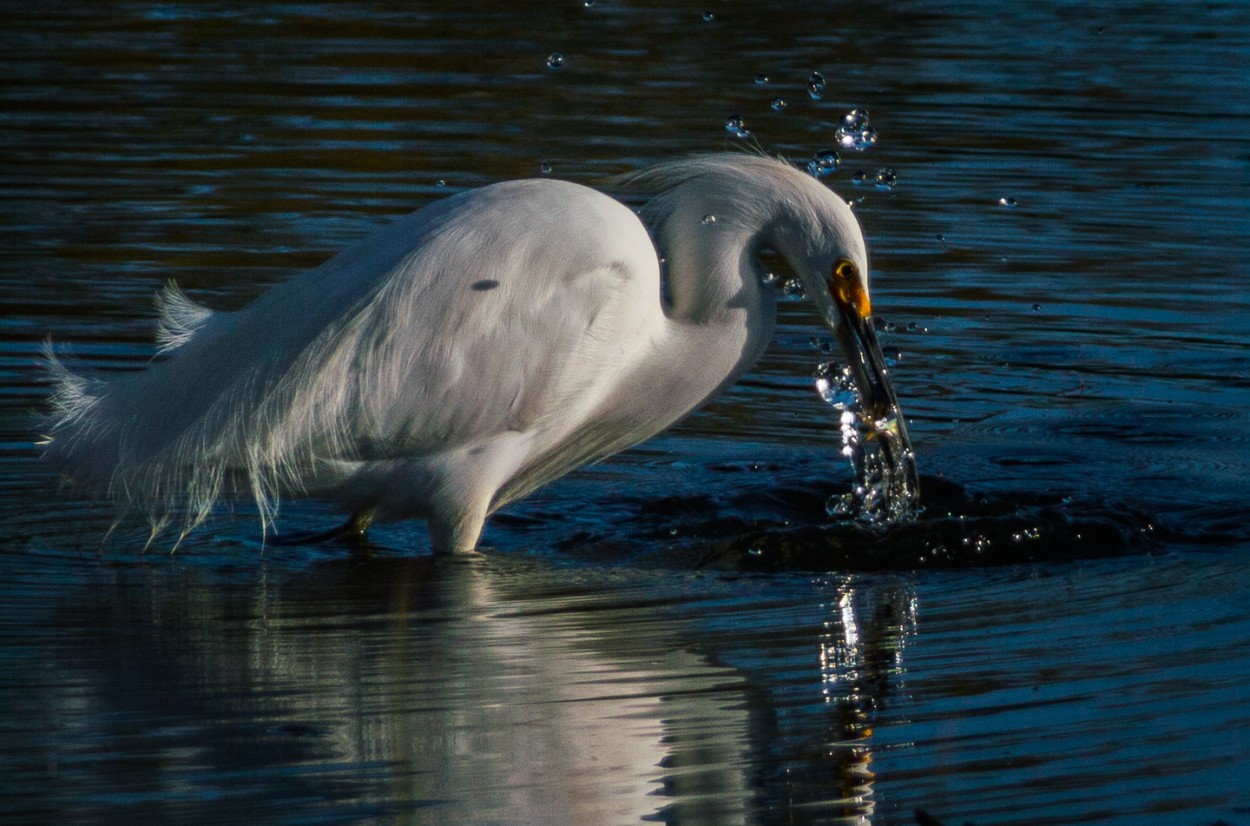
1056	205
435	692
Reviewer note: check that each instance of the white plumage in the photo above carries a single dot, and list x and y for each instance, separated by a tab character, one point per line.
466	354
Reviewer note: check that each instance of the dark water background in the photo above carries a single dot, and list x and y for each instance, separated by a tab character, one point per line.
670	636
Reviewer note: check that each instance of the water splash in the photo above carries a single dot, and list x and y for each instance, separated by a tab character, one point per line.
886	490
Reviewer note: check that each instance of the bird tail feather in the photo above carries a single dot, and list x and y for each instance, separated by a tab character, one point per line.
115	438
178	318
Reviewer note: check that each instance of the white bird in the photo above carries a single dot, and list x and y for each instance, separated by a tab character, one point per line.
466	354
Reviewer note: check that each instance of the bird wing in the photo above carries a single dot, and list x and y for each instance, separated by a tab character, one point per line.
513	310
505	309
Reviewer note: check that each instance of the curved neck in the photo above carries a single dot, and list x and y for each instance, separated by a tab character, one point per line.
713	272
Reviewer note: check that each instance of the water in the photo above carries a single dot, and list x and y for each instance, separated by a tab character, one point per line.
884	480
677	634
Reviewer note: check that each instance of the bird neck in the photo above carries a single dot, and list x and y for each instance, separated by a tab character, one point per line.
713	274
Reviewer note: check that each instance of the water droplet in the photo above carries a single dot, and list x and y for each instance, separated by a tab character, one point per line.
440	182
859	177
886	178
761	79
1037	308
778	104
855	132
1007	201
709	219
545	168
823	163
736	126
708	17
855	119
588	3
816	85
792	288
769	278
555	60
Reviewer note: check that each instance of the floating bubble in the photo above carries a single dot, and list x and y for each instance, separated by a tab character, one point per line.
816	85
1007	201
823	163
555	60
778	104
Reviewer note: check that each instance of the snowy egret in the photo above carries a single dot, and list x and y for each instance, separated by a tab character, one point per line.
472	351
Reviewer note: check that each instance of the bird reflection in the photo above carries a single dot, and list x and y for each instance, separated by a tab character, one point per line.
861	657
440	691
459	691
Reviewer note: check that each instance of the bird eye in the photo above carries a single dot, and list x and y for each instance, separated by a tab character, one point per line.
845	270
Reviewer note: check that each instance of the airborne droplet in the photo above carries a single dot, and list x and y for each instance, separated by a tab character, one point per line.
855	132
816	85
823	163
736	126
